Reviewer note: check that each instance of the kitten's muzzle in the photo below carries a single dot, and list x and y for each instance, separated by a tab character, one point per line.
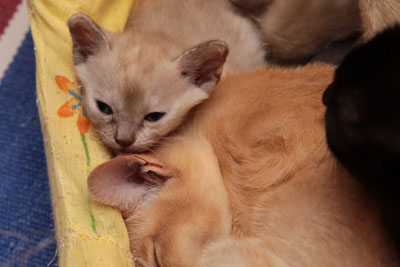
124	143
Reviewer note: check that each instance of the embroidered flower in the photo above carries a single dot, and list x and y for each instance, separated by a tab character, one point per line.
68	109
73	105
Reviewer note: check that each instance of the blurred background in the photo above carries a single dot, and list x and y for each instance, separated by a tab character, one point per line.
26	226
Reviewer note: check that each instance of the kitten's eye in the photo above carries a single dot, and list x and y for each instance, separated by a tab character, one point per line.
154	116
104	108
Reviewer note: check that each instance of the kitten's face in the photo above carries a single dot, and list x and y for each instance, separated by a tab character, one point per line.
136	90
131	106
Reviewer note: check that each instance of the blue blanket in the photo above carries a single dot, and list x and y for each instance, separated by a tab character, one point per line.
26	224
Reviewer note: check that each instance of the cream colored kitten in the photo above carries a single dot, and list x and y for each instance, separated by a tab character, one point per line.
249	182
140	84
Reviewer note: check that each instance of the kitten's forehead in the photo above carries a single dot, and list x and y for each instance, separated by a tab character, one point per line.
142	50
143	65
136	75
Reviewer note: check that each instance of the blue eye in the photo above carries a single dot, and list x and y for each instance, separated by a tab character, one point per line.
104	108
154	116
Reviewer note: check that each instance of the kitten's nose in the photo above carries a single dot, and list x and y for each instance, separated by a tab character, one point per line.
123	143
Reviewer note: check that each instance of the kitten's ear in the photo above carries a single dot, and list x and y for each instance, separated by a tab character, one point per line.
87	37
121	182
203	64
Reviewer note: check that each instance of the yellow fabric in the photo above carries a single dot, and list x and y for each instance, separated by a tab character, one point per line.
88	234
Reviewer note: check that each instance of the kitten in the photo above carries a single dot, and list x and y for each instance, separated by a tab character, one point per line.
248	181
363	120
294	30
140	84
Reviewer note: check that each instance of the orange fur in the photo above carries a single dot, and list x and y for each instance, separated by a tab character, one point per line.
254	184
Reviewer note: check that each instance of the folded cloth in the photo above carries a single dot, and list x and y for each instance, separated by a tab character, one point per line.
88	233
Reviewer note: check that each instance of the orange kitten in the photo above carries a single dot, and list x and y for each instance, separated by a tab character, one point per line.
248	181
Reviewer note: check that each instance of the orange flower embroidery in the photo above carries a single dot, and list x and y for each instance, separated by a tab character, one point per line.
67	110
73	104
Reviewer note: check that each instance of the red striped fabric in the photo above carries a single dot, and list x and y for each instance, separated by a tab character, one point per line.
7	9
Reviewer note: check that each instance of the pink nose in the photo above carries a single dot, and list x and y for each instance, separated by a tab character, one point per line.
124	143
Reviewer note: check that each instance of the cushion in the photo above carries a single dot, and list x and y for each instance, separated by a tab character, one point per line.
88	233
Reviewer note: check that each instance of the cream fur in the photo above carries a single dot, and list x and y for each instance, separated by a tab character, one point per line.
377	15
139	71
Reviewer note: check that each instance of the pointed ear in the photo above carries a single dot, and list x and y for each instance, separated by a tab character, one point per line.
87	37
203	64
123	181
